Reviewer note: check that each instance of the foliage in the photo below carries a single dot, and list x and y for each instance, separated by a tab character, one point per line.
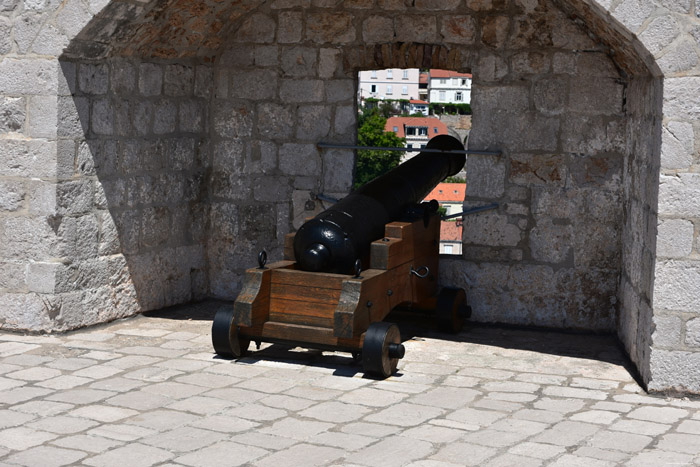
442	211
370	132
454	179
451	109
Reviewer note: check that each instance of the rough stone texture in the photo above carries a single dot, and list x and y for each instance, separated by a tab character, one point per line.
164	125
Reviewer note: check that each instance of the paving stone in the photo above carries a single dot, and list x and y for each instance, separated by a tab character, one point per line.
445	397
537	450
135	454
689	426
540	379
62	424
392	451
286	402
433	433
601	417
241	396
512	396
265	384
263	440
103	413
640	427
405	414
429	368
47	456
494	438
401	386
174	390
601	454
476	417
589	383
689	444
568	460
88	443
344	441
485	373
43	408
544	416
620	441
464	453
6	383
163	419
461	381
612	406
337	412
507	460
208	380
375	430
224	424
658	414
341	384
201	405
224	453
9	418
139	400
184	439
258	412
560	391
511	386
524	427
493	404
182	364
71	364
21	438
117	384
97	372
131	361
559	405
34	374
301	455
80	396
64	382
121	432
296	429
6	368
657	458
152	374
566	433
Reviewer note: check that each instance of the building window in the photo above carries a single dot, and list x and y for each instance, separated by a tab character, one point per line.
464	82
404	90
409	146
455	81
423	131
396	129
374	74
389	89
373	88
443	81
410	130
448	249
436	130
389	74
405	74
458	96
442	95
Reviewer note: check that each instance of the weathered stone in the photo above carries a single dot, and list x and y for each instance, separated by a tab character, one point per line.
298	62
275	121
674	370
378	29
660	33
12	113
682	58
150	79
28	76
679	195
675	238
233	121
93	79
290	27
458	29
258	28
491	229
550	242
417	28
485	177
494	31
299	159
677	145
537	169
675	285
314	122
334	28
692	332
302	90
178	80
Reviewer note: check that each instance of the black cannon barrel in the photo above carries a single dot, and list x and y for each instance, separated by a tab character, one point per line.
334	239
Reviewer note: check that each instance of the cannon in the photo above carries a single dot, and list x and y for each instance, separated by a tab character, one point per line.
320	297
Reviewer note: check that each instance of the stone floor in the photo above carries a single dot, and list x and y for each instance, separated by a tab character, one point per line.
149	391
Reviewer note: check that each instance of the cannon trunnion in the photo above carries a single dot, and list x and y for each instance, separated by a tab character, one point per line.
319	302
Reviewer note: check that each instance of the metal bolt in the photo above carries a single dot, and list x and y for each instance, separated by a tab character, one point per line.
390	292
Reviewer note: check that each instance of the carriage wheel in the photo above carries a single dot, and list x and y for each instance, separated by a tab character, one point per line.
382	349
225	337
451	309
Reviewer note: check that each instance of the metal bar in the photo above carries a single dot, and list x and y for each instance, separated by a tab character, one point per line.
474	210
378	148
328	199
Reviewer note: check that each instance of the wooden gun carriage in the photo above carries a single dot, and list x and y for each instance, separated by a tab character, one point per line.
319	297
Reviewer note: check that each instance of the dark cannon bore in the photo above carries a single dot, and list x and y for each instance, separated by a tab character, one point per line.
334	239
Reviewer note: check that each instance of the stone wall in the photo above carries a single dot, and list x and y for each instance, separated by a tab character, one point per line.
173	140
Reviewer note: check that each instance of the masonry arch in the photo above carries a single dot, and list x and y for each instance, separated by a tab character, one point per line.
190	133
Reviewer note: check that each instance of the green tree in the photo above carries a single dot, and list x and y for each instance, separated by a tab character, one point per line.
372	164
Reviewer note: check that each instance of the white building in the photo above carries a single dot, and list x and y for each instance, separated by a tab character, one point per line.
449	87
419	106
417	131
392	83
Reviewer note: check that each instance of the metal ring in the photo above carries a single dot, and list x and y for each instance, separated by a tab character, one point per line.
422	275
262	259
358	268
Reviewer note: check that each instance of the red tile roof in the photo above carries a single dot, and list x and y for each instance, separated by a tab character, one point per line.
448	193
423	78
448	74
418	101
402	122
450	231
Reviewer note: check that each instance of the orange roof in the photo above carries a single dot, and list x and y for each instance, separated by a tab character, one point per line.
450	231
418	101
402	122
423	78
448	74
448	193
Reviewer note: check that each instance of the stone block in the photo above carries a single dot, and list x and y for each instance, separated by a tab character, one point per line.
155	227
522	132
13	114
122	78
679	195
298	62
299	159
271	189
675	238
234	120
458	29
660	32
524	63
677	145
12	195
93	78
676	286
42	198
275	121
26	238
203	81
491	68
681	58
674	370
74	197
27	312
191	116
507	98
290	27
327	27
680	98
29	76
41	277
692	332
302	90
492	229
603	171
537	169
551	95
13	276
313	122
345	119
328	63
230	186
666	331
32	158
340	90
338	168
494	31
42	112
73	116
262	84
377	29
595	244
258	28
178	80
164	117
551	242
485	176
150	79
102	121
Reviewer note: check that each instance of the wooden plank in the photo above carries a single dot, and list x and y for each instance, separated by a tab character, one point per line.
308	279
298	319
401	284
398	230
424	288
305	293
361	301
390	252
300	312
299	333
252	304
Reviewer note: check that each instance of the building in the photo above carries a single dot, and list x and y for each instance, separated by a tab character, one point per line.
419	106
416	130
449	87
392	83
451	197
423	80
